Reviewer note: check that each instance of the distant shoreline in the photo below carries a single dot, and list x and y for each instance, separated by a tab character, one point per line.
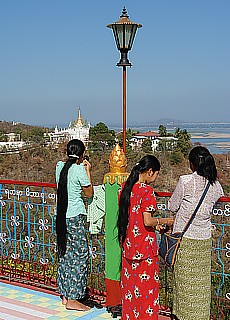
211	135
223	145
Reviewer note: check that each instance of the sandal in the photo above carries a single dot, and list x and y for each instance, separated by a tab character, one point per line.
92	303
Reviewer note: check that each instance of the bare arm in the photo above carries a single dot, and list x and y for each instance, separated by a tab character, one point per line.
149	221
88	190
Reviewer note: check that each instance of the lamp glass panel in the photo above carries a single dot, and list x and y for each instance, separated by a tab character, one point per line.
118	35
130	35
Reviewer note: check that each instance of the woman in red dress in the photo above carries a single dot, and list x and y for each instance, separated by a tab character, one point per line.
136	233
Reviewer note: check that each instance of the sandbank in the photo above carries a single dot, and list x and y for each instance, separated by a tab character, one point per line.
210	135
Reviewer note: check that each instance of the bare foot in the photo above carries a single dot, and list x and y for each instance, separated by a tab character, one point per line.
64	300
75	305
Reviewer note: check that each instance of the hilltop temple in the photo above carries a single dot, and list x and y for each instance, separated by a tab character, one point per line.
77	129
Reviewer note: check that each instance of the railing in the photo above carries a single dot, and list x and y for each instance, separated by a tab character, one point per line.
28	243
28	239
27	235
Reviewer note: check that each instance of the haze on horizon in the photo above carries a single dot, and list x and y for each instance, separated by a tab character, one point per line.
58	55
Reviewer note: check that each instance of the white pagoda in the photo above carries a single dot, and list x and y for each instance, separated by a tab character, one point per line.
77	129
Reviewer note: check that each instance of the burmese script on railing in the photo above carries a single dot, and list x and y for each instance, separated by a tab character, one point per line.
28	193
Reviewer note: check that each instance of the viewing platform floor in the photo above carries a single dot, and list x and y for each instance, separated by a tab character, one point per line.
20	303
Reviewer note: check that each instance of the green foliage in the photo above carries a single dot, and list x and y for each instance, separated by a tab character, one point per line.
162	131
129	133
35	134
176	157
3	137
166	145
226	189
147	146
101	129
184	144
101	138
162	146
17	130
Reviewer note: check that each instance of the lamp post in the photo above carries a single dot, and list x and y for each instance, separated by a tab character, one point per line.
124	32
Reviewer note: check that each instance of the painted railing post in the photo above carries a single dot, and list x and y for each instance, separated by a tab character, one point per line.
112	181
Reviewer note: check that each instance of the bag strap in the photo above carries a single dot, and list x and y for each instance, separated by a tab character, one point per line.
195	211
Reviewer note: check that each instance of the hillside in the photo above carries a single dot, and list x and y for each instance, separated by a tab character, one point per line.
8	127
38	162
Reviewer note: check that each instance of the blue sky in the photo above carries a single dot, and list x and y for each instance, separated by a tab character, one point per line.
57	55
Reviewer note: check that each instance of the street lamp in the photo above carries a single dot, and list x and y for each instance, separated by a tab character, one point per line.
124	32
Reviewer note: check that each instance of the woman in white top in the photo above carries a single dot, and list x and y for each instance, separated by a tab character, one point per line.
192	270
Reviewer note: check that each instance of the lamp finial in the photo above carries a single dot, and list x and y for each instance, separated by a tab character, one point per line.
124	13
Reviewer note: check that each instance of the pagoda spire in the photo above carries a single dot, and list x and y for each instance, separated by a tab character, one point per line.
79	121
79	112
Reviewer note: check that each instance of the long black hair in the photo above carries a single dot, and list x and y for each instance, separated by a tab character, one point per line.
146	163
203	163
75	149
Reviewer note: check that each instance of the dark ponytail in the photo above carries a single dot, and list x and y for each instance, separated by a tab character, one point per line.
203	163
146	163
75	149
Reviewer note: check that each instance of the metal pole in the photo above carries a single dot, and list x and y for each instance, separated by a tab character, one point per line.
124	109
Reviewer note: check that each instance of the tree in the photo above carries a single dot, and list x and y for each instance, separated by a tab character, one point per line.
162	131
183	143
35	134
101	138
161	145
147	146
3	137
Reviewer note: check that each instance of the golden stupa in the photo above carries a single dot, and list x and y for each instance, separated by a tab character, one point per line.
117	166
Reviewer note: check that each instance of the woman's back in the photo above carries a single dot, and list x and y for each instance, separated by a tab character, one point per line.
76	178
139	237
185	199
191	299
